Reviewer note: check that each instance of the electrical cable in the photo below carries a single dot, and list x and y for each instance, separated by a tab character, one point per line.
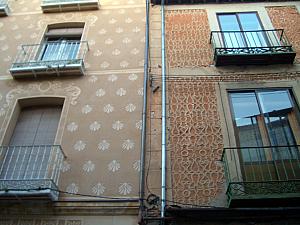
105	197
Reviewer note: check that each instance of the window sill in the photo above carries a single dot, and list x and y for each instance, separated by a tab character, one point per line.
49	6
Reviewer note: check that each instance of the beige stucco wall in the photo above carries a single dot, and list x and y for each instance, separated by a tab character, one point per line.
100	126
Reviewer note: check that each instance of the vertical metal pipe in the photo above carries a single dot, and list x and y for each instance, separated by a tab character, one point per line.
163	113
144	115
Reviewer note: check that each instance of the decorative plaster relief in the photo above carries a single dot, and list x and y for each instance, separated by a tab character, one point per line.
121	92
125	189
72	188
108	108
103	145
88	166
95	126
112	78
130	107
114	166
45	88
102	31
133	77
72	127
141	91
79	146
139	125
118	125
65	166
137	165
100	92
90	19
86	109
93	79
128	145
98	189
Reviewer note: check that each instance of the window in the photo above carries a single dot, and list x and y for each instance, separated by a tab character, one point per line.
60	53
263	137
31	144
61	44
242	40
68	5
267	129
242	30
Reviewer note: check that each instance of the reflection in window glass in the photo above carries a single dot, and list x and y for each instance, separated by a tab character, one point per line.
246	113
273	101
250	35
265	114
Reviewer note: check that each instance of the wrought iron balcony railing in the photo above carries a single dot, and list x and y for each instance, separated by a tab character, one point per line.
4	8
30	170
51	57
262	173
68	5
251	47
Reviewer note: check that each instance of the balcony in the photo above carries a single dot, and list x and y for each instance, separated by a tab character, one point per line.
260	47
262	176
52	58
4	8
68	5
28	172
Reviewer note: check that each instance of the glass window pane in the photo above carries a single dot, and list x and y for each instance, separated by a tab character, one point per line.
275	101
244	105
229	22
246	115
249	21
276	106
51	51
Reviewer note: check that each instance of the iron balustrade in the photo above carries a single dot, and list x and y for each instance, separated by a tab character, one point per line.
251	47
51	54
250	42
30	167
262	171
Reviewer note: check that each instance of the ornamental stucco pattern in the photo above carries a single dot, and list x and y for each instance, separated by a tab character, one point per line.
100	124
196	142
287	18
187	34
115	37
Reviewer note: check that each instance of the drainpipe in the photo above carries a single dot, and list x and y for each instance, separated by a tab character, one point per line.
144	118
163	113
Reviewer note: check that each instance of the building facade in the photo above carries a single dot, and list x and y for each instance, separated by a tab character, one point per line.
232	130
71	95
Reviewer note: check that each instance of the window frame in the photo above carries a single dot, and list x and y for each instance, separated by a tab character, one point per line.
224	106
244	39
226	118
262	126
64	39
35	101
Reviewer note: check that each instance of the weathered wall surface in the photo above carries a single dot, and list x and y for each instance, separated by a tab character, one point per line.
287	18
196	138
195	141
187	38
101	125
195	130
